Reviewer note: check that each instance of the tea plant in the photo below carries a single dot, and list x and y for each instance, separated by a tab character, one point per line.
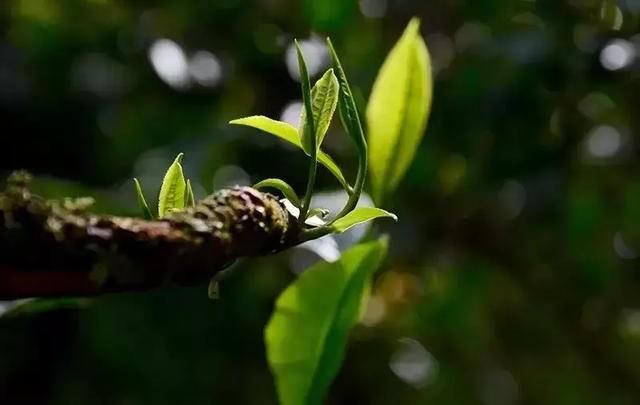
186	241
306	336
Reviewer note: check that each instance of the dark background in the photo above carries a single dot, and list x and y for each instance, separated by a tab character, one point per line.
513	273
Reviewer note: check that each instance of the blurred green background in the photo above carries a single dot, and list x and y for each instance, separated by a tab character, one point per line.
513	272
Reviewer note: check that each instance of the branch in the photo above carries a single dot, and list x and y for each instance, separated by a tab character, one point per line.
57	248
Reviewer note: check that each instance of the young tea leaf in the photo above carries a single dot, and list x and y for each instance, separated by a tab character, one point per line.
281	185
146	212
307	333
351	122
360	215
397	111
172	191
289	133
189	199
346	103
309	123
324	96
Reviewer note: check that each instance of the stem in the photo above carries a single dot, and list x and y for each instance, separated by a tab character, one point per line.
357	188
315	233
311	179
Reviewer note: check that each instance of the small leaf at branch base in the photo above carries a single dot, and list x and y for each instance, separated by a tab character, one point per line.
360	215
281	185
307	334
146	212
324	98
189	199
289	133
172	191
397	111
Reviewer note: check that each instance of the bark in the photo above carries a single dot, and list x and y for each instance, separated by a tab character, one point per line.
57	248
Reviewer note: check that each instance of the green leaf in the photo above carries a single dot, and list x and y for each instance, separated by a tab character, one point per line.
360	215
289	133
146	212
398	110
324	96
281	185
351	122
172	191
307	334
347	105
309	123
189	199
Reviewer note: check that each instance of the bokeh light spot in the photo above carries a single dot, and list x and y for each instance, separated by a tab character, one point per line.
170	63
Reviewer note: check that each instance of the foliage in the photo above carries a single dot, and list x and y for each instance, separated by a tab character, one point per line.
512	270
397	111
324	100
358	216
173	190
288	133
307	333
175	194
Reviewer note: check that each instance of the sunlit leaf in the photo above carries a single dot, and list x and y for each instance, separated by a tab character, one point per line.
324	96
307	334
281	185
146	212
360	215
309	123
172	191
346	103
189	199
289	133
397	111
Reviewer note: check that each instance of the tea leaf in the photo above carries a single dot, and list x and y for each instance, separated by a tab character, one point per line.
307	333
398	109
324	97
360	215
172	191
189	199
309	123
146	212
290	134
346	104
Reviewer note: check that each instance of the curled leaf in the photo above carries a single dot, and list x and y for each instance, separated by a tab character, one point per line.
189	199
346	104
146	212
309	125
281	185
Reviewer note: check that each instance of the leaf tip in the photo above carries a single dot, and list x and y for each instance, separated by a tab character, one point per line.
414	24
